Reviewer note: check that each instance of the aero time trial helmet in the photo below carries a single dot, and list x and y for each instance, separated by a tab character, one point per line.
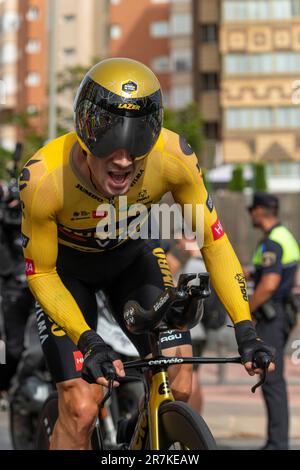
118	106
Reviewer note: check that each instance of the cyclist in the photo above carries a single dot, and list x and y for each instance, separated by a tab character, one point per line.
119	148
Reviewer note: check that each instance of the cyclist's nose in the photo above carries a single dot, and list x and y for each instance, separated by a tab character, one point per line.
122	158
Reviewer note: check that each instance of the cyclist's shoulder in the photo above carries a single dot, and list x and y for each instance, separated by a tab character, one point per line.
54	155
175	145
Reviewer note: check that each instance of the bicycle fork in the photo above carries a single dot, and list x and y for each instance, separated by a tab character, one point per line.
160	392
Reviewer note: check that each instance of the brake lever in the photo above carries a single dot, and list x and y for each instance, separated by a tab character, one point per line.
108	394
265	362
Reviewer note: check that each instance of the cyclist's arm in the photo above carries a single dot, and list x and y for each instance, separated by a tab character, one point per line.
40	202
186	183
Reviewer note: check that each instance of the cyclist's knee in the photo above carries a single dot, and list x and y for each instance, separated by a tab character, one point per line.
183	394
78	408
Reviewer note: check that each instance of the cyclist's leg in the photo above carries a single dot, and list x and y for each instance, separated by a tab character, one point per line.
78	400
145	278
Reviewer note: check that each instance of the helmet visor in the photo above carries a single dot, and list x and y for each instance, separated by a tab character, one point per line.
104	132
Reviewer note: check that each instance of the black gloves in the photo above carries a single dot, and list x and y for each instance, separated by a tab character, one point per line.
98	357
249	345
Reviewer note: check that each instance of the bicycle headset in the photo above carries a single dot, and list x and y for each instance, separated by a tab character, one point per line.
118	106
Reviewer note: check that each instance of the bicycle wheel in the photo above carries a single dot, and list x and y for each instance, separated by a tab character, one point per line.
47	420
180	427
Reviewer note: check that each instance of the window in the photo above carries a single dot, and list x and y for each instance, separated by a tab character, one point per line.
69	18
33	79
182	60
256	118
32	13
236	10
10	83
209	32
277	62
115	31
181	96
161	64
159	29
9	53
33	46
209	81
211	130
181	24
69	51
9	22
32	109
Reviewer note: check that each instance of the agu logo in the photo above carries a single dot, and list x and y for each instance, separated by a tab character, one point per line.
29	267
78	359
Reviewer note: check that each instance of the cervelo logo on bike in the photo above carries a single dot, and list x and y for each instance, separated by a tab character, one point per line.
173	360
137	221
161	302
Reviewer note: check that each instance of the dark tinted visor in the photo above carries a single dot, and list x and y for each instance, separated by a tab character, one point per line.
104	132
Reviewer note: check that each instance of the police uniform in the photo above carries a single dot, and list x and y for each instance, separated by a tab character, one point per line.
278	252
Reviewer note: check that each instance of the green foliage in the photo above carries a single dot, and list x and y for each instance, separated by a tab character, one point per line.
237	182
259	182
5	157
207	183
187	122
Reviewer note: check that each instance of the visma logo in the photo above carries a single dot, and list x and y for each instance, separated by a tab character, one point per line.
296	353
2	92
2	352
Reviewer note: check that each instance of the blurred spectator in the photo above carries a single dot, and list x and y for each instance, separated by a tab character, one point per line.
273	306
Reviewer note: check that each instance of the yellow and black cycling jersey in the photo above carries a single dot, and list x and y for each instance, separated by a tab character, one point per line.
59	208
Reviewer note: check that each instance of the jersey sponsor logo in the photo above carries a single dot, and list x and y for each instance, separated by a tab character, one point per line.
143	196
209	203
137	177
24	178
240	278
217	230
130	87
99	214
185	146
29	267
57	330
134	107
24	240
78	360
88	193
269	258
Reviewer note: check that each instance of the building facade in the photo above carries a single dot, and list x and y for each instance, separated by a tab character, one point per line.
246	78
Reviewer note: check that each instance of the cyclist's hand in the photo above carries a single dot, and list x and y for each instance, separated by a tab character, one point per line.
101	362
249	345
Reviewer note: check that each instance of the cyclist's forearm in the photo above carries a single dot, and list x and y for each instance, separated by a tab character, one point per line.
58	304
227	278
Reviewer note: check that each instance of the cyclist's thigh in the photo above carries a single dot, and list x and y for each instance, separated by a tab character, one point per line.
63	358
146	277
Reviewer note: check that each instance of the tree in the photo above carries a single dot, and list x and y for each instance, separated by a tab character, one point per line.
188	123
237	182
259	182
5	157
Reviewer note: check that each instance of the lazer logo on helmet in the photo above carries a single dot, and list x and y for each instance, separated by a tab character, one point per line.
132	106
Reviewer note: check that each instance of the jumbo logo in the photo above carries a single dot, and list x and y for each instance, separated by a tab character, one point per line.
135	107
57	330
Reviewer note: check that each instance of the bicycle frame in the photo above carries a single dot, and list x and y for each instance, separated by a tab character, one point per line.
158	392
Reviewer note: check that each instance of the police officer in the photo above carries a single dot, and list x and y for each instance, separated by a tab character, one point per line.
275	261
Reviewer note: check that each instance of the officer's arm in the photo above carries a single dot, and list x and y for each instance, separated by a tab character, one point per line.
271	274
187	186
40	204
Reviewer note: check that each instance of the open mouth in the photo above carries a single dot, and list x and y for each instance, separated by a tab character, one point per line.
119	178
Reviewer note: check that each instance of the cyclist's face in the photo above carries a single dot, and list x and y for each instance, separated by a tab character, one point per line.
114	174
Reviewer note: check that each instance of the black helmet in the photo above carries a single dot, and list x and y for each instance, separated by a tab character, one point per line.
118	106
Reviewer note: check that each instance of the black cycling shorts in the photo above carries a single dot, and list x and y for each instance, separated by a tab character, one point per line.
137	270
